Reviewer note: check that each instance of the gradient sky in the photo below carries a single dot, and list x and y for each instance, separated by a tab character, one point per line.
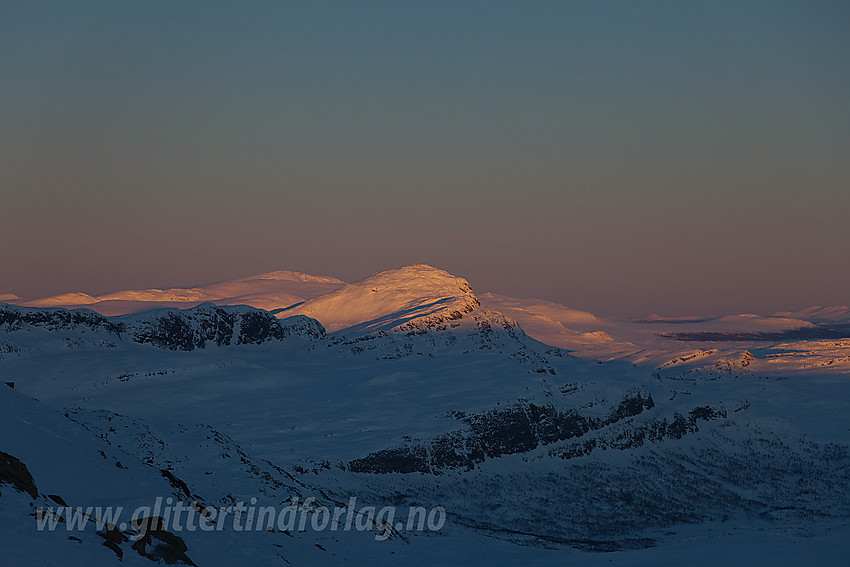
623	157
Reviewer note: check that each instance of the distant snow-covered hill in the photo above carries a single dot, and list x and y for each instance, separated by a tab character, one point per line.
265	291
817	338
835	314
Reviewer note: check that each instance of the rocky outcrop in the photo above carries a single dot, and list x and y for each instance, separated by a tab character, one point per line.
157	544
302	326
517	429
203	325
654	431
14	318
14	472
171	329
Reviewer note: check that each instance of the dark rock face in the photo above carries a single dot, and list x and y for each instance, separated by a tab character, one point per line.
302	326
171	332
205	324
16	318
113	538
502	432
495	433
653	431
14	472
400	460
172	329
158	544
176	482
258	327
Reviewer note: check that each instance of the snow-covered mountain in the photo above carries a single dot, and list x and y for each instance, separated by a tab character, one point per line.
265	291
411	297
408	390
425	296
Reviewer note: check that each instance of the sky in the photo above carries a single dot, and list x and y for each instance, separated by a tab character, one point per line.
622	157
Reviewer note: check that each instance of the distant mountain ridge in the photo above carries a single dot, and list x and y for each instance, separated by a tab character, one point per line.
264	291
423	297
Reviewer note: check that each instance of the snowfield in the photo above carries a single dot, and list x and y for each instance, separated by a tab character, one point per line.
548	436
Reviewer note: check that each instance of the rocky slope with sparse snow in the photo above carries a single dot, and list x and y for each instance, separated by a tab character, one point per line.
172	329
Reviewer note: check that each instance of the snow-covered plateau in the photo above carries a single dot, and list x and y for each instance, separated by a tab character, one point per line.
528	432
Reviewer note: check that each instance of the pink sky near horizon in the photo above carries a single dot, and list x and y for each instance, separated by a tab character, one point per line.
668	158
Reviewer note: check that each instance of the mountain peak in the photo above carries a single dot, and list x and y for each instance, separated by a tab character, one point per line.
420	277
389	299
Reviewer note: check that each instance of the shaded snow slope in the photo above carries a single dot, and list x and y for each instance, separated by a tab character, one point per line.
533	466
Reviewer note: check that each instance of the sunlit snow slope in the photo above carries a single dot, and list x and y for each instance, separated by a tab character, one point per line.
265	291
